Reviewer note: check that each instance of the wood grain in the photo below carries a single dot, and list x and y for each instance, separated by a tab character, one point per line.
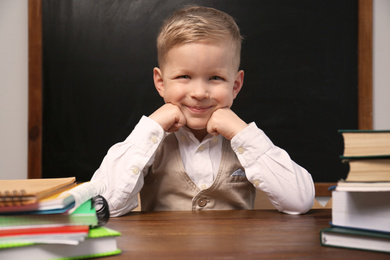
246	234
365	52
322	188
35	89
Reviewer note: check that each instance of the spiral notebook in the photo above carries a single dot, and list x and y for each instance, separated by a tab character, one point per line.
28	192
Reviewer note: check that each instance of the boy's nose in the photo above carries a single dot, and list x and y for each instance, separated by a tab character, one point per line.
199	90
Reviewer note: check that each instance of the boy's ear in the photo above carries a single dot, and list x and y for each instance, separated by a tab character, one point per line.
158	81
239	81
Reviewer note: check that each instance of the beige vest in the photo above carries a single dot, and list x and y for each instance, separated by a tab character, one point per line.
168	187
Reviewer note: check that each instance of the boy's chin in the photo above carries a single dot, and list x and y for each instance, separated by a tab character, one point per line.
196	124
197	127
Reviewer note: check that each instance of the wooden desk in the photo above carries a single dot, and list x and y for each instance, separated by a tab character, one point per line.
246	234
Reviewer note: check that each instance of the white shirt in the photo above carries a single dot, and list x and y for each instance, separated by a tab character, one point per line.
119	179
200	159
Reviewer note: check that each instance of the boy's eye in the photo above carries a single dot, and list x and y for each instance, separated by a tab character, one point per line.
216	78
183	77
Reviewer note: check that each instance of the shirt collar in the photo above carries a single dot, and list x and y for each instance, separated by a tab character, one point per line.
185	133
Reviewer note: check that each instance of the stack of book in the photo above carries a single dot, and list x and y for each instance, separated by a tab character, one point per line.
35	222
368	155
361	202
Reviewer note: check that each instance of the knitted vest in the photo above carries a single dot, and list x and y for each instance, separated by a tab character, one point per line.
168	187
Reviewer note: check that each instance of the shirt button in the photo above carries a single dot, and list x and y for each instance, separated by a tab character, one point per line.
203	187
240	150
154	139
256	183
202	202
201	148
135	170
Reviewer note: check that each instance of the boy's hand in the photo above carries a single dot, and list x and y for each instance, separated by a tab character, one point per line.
169	117
226	123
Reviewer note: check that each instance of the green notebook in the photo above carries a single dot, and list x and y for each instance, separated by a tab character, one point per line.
83	215
101	241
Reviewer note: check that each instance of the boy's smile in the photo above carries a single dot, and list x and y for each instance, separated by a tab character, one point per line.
199	78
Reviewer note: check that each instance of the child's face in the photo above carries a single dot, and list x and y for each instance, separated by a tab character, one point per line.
199	78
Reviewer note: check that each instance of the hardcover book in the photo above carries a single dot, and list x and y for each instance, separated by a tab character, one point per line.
372	169
101	241
366	142
355	239
363	210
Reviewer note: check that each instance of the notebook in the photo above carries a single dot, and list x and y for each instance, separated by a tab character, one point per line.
83	215
70	235
26	192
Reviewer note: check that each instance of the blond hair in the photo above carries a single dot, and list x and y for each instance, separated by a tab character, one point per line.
198	24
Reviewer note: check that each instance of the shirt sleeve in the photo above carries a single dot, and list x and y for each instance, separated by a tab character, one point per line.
123	169
289	187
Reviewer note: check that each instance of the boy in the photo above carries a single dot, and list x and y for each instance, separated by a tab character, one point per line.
194	152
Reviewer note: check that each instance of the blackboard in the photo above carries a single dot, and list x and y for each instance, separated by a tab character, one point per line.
300	85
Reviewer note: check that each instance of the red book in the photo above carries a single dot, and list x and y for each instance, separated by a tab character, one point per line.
44	231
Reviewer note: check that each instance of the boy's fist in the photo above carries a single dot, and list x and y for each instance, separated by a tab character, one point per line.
169	117
226	123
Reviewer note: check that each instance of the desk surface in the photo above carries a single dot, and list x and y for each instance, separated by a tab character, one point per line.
245	234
